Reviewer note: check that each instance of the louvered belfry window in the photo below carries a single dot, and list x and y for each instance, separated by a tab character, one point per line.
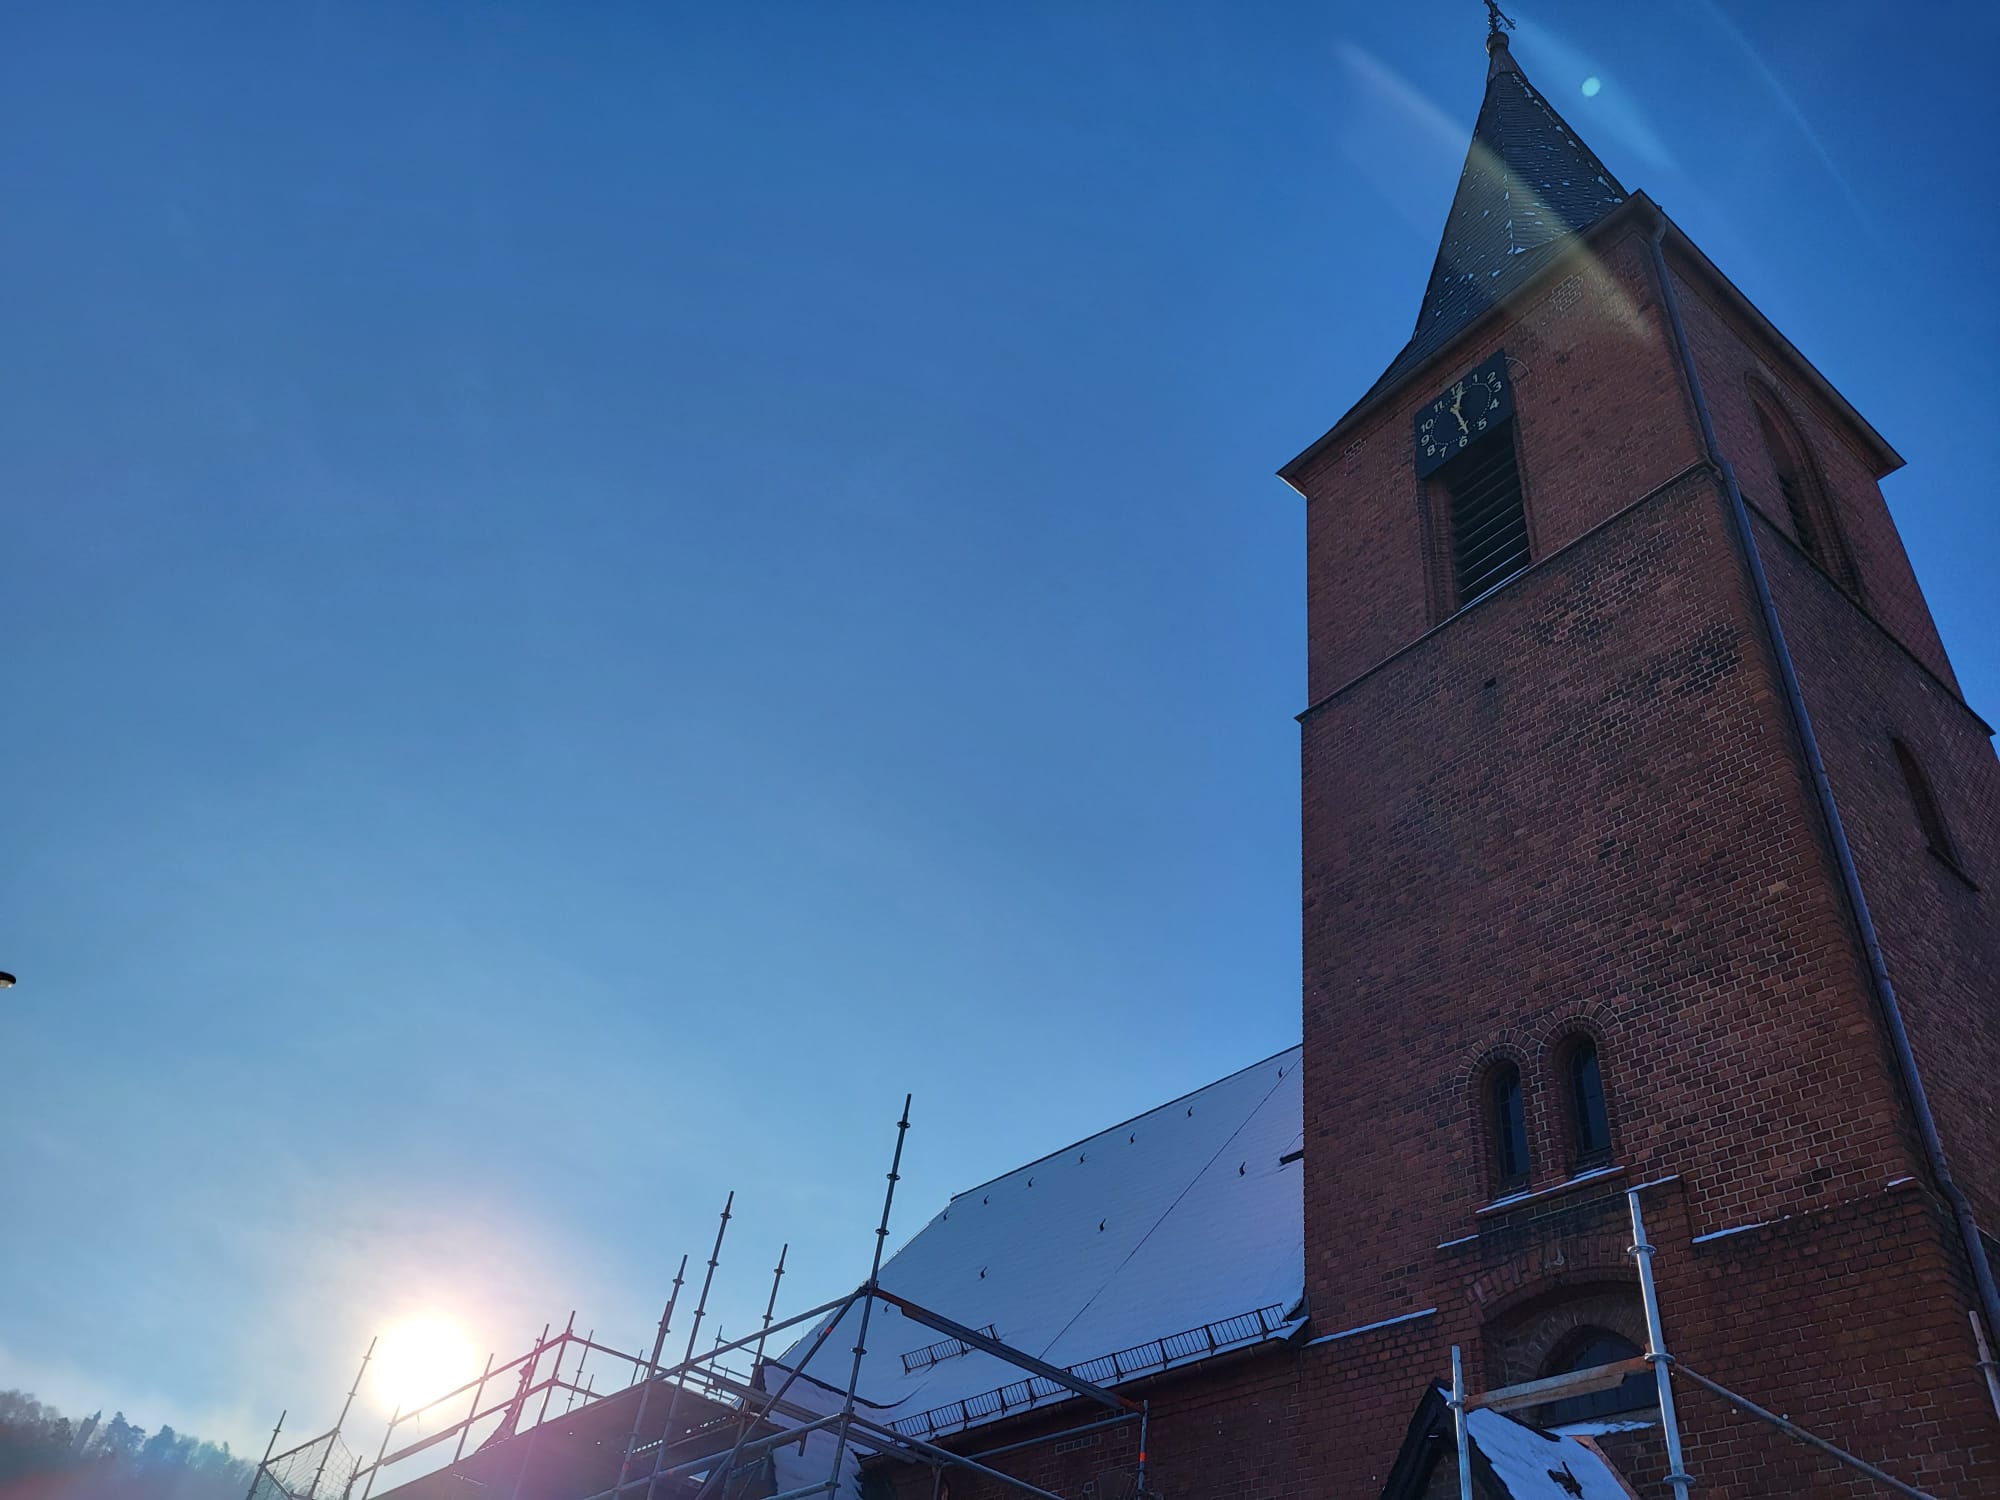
1489	527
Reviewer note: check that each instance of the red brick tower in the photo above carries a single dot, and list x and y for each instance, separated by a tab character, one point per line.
1647	840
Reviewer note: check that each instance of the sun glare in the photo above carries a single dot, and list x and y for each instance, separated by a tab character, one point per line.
419	1360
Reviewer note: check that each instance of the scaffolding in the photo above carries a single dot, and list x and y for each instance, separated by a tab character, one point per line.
729	1423
1662	1366
703	1427
320	1468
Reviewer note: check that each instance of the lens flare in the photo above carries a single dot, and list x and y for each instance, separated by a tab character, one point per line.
1591	85
420	1359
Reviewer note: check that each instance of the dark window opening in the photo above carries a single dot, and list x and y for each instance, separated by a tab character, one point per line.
1510	1128
1590	1122
1801	494
1586	1349
1489	526
1929	817
1790	485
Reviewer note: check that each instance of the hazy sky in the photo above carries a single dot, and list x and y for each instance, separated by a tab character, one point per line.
593	592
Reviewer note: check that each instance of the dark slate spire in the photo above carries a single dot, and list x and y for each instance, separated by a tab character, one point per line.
1529	185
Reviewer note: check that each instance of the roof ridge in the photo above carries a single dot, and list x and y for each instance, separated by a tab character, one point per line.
1121	1124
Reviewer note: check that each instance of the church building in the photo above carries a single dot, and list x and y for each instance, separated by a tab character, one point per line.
1648	844
1650	854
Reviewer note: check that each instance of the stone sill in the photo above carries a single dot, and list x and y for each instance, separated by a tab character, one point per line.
1520	1200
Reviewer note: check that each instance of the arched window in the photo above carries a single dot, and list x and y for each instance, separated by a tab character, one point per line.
1929	816
1583	1087
1791	482
1812	519
1508	1121
1586	1349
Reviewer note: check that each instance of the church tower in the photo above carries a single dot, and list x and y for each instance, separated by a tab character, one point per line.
1648	842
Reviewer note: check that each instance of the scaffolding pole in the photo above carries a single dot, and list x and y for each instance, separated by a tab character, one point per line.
777	1396
376	1467
837	1306
417	1411
1145	1420
771	1303
780	1439
688	1361
973	1338
562	1347
876	1437
873	1285
896	1439
520	1407
1987	1366
652	1374
263	1462
1463	1438
1656	1350
577	1373
478	1394
334	1436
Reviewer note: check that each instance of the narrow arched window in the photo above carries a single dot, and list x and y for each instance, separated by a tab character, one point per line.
1804	501
1508	1121
1590	1123
1924	801
1791	483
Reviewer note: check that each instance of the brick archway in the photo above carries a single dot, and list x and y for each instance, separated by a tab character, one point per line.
1518	1343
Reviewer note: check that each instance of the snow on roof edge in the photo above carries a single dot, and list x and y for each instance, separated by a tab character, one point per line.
1261	1062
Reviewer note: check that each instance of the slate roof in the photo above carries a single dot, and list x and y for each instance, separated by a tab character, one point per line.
1152	1244
1529	186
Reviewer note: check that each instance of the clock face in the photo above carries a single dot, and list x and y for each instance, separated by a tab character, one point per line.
1465	413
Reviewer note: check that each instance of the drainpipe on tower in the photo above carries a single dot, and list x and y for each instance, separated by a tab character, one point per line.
1850	877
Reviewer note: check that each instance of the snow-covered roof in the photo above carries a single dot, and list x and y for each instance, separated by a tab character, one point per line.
1154	1243
1533	1465
1510	1460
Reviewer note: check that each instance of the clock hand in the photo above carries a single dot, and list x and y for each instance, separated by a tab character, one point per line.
1456	402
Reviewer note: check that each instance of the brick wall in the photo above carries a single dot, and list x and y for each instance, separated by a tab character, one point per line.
1574	805
1320	1419
1850	1320
1936	920
1873	670
1736	363
1229	1428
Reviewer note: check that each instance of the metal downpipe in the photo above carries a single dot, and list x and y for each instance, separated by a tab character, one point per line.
1850	877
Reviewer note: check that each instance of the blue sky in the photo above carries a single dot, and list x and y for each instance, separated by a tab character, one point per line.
596	592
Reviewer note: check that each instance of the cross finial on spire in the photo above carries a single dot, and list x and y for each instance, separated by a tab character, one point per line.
1500	59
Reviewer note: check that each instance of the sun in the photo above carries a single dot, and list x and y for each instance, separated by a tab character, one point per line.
420	1359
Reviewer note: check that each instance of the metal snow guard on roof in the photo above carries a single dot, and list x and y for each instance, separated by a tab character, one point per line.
930	1354
1156	1354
